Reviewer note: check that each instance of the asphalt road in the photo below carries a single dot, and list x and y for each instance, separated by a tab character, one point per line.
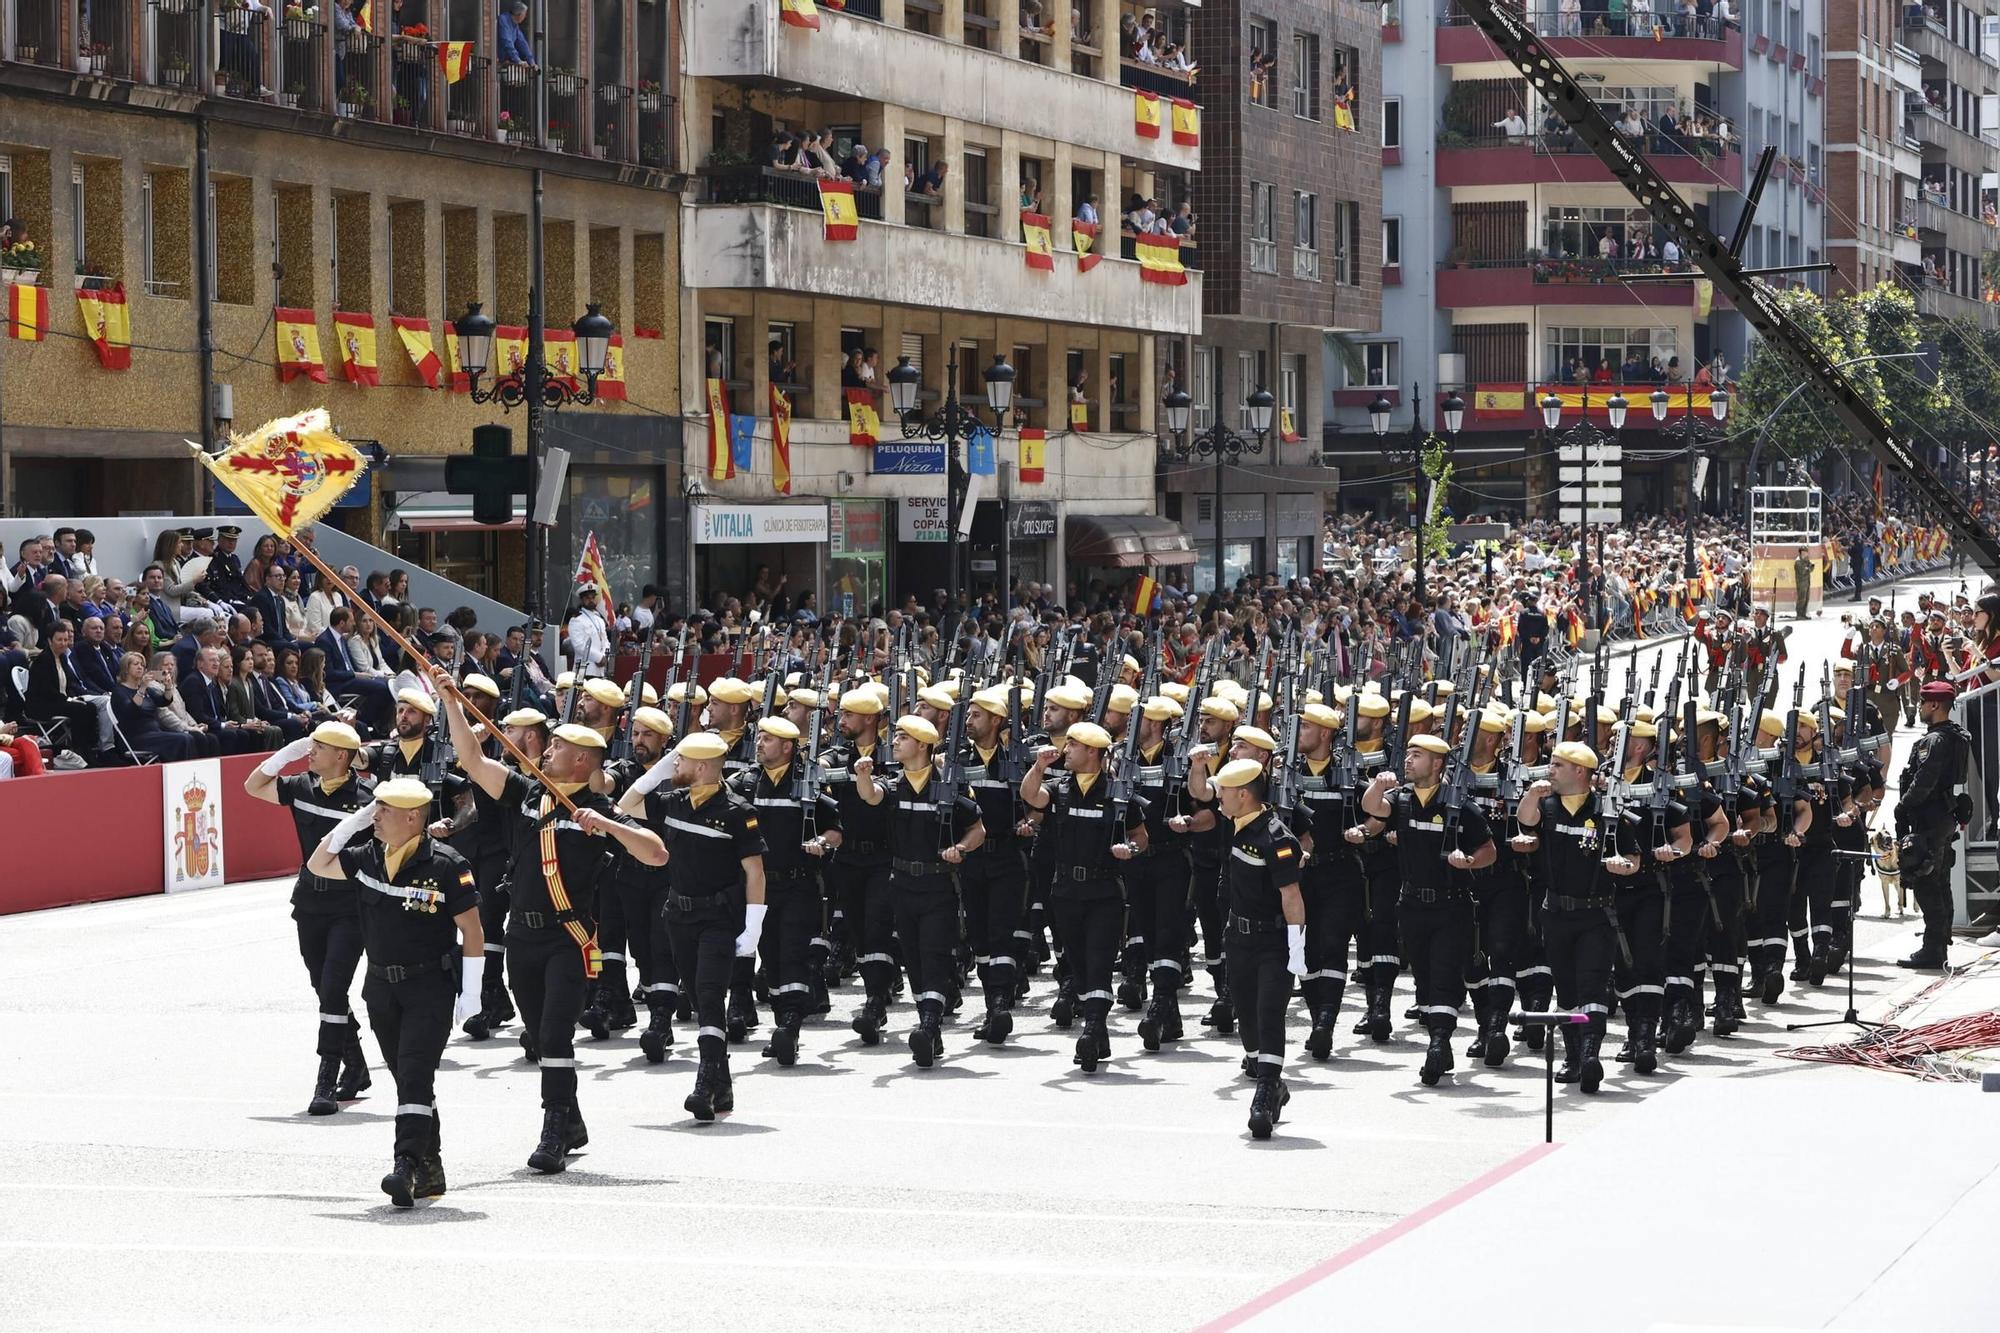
160	1170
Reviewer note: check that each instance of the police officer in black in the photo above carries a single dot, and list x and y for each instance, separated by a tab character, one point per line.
1930	809
485	839
633	926
560	864
1086	845
993	882
1435	846
325	910
715	908
780	791
927	840
1157	880
858	877
1265	940
417	903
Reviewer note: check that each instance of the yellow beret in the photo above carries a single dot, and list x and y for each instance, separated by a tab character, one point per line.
1607	716
337	734
807	698
418	700
1320	716
1705	716
993	701
1544	703
1494	720
584	738
950	686
1256	736
1073	697
1315	697
1430	744
1342	693
1233	691
1843	664
1440	688
483	684
1836	713
1576	752
863	702
1074	683
653	720
604	691
1175	690
1420	711
779	727
701	745
1539	722
1089	733
566	681
937	697
525	717
1644	713
647	694
1645	730
730	690
1772	722
1373	705
1239	773
682	689
1216	706
1130	663
1808	720
1123	699
1162	709
404	793
917	728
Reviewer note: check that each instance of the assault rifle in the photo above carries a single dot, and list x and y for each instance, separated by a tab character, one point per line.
949	778
684	710
805	767
621	744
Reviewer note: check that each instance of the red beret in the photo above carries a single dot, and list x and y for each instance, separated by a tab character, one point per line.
1941	690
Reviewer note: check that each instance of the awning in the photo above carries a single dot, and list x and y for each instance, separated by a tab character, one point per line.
441	511
1128	541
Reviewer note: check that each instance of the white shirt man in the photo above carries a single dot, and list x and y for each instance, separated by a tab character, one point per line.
589	637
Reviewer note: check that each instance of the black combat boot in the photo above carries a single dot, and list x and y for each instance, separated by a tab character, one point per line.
594	1019
1437	1056
784	1047
1132	983
1572	1065
531	1046
1591	1076
1062	1010
1361	1024
925	1038
430	1177
494	1007
1728	1002
1378	1011
1645	1052
1222	1014
658	1037
1267	1104
1482	1005
324	1101
619	1011
868	1019
548	1155
575	1133
401	1182
1816	968
354	1079
722	1087
701	1102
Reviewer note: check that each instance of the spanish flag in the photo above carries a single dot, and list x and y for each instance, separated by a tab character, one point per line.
1145	595
289	471
107	321
1506	630
459	381
1146	115
559	355
1035	235
510	351
298	345
864	424
611	384
1034	448
1160	259
721	465
1288	429
1573	627
781	441
836	201
356	336
1079	416
1187	122
1083	236
1489	401
799	13
455	59
27	312
590	572
416	336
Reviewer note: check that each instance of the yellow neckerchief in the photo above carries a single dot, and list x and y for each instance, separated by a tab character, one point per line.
985	755
394	857
1632	774
1576	802
1486	767
1084	782
864	751
1318	766
701	792
1150	753
1243	821
776	774
731	736
329	788
1367	747
919	778
1804	754
1425	795
409	748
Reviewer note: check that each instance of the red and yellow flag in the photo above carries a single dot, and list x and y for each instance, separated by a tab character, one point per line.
611	384
455	59
356	336
1083	236
107	322
1144	595
1491	401
781	441
559	355
1146	115
1506	630
416	338
864	424
510	351
1036	236
1288	429
459	381
799	13
1160	259
590	573
289	471
836	201
298	345
1034	448
721	466
1079	416
27	312
1187	122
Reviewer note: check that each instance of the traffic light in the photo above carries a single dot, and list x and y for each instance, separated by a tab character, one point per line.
492	474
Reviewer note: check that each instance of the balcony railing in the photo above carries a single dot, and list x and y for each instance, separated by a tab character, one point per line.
1154	79
107	44
1552	22
242	48
302	86
413	74
786	189
569	114
38	28
359	94
609	136
465	101
176	43
1190	252
1652	142
863	9
656	125
1263	256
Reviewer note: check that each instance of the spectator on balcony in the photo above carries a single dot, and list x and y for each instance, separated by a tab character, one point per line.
871	370
1512	126
1632	125
1607	246
1601	375
779	155
1675	374
1569	19
1670	253
1138	217
781	366
1176	59
243	48
1182	223
514	48
1725	16
1260	74
932	181
1634	369
816	159
855	168
850	370
878	162
1086	212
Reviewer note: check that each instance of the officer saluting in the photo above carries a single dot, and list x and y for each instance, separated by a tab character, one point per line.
1265	944
1929	813
420	926
326	912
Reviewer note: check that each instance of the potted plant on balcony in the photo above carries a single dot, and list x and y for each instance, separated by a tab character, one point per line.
401	112
295	89
20	262
174	71
353	100
649	95
559	135
97	58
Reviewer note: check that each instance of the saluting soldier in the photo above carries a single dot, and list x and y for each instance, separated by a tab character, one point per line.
1085	847
1266	931
326	912
920	878
491	848
419	913
559	866
993	882
633	924
715	909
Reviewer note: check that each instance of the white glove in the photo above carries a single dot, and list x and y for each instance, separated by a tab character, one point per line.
1295	950
753	926
285	758
653	776
469	982
343	832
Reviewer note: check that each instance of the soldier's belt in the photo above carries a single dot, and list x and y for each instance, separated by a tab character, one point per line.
682	902
918	868
396	972
1560	903
1250	925
548	920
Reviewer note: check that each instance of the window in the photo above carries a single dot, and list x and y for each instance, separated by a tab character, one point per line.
1392	122
980	214
1030	408
1379	368
6	186
1305	75
719	342
1608	348
1201	388
1305	235
1291	375
1264	62
1120	392
1263	227
1250	377
1346	243
149	271
76	212
1392	242
1347	88
781	343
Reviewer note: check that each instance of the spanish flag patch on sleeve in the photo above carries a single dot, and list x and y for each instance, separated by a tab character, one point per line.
750	823
1284	851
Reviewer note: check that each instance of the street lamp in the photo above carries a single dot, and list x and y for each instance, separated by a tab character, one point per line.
1585	435
1695	435
513	388
951	423
1219	442
1410	451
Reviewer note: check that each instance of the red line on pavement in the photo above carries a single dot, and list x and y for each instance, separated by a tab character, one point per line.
1361	1249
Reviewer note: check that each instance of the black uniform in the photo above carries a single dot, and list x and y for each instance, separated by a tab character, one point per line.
1929	812
795	906
1863	776
1500	921
925	897
993	882
1263	861
1156	884
858	874
1818	883
1434	912
407	926
708	838
391	759
1777	871
1335	889
1642	909
484	843
1380	959
328	918
1084	898
1732	885
1580	924
223	581
633	922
